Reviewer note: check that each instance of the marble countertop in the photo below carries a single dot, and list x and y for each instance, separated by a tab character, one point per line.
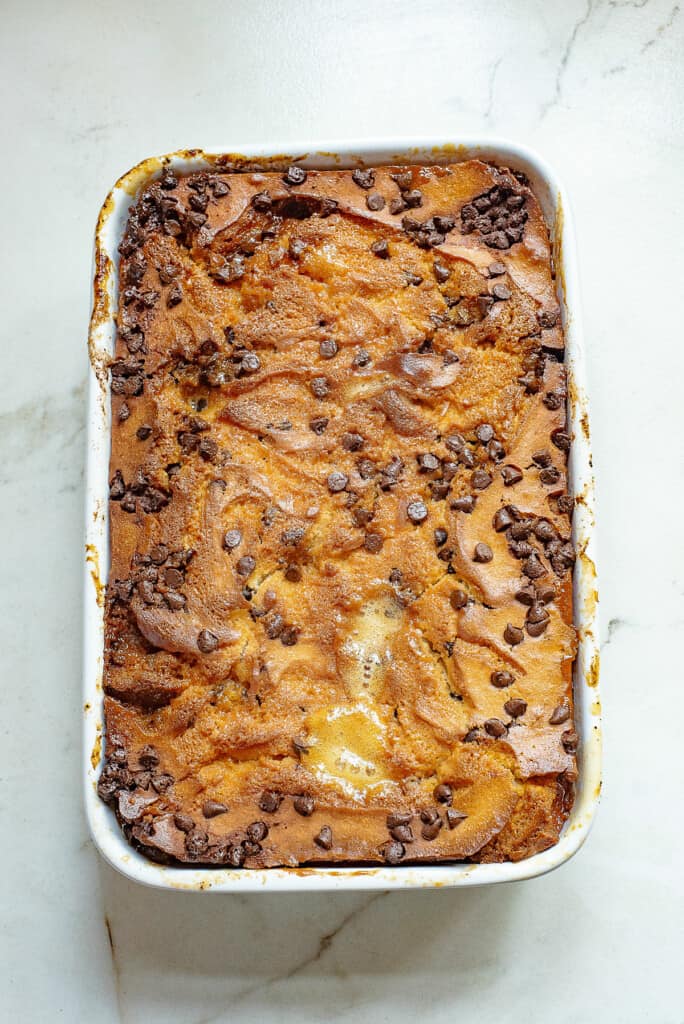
597	87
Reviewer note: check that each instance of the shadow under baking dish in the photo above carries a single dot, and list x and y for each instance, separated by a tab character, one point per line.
331	155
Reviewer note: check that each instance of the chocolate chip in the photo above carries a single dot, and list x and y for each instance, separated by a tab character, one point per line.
440	536
464	504
274	626
293	536
481	479
381	249
432	830
117	487
533	568
500	292
373	542
417	512
454	817
466	458
262	201
175	296
183	822
212	808
293	574
513	635
548	476
427	462
148	757
236	855
545	531
560	714
495	727
515	707
561	439
245	565
364	177
484	433
328	350
526	596
395	576
443	793
546	592
232	539
502	679
397	205
270	801
570	739
541	458
496	269
402	833
174	600
196	843
295	176
361	358
352	442
458	599
375	201
337	482
324	839
161	783
207	641
304	805
392	852
482	553
455	442
511	475
397	818
429	815
320	387
471	736
289	636
413	279
553	400
502	519
441	271
208	449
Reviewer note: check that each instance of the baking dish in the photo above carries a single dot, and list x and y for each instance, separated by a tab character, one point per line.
110	226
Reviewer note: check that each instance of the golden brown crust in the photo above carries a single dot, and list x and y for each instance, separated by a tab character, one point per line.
340	573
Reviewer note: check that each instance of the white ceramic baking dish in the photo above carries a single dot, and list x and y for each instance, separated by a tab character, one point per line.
110	226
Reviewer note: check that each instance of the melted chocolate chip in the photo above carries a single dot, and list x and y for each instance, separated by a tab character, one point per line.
207	641
397	818
464	504
320	387
402	833
392	852
570	740
495	727
427	462
441	271
458	599
373	542
443	793
560	714
245	566
270	801
431	831
515	707
502	519
454	818
375	201
212	808
482	553
324	839
511	475
484	433
502	679
481	479
304	805
364	177
352	442
381	249
513	635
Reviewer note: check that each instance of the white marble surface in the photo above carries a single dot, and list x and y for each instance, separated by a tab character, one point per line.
89	89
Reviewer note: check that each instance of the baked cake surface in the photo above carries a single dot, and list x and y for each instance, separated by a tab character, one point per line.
339	609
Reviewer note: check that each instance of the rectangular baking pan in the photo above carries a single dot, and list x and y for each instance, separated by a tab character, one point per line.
110	227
